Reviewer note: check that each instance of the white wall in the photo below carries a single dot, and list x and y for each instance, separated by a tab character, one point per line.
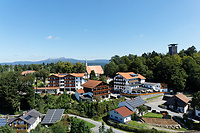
116	116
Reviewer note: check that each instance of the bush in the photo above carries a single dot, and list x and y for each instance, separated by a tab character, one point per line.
134	116
131	128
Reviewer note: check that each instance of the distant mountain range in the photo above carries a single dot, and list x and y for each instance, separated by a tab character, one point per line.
101	62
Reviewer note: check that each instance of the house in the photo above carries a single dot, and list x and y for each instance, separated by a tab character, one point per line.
122	114
178	102
131	83
24	73
67	81
51	90
156	87
126	108
52	116
26	121
108	79
124	79
97	69
92	89
133	103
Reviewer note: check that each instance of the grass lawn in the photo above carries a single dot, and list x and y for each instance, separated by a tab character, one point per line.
134	123
90	125
153	97
152	115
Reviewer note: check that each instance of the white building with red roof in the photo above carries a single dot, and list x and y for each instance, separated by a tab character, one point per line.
131	83
122	114
126	108
67	81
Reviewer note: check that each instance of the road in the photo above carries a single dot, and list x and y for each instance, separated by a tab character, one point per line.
158	101
97	124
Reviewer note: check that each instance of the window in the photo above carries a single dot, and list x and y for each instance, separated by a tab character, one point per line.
111	115
116	117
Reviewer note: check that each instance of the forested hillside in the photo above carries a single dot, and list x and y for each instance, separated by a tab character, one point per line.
181	71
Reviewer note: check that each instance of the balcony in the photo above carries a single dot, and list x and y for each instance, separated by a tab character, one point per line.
102	90
102	94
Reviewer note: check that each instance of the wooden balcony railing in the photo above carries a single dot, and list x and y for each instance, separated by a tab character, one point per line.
102	90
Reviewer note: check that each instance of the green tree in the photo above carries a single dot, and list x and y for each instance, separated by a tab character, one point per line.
142	109
58	127
93	75
6	129
195	100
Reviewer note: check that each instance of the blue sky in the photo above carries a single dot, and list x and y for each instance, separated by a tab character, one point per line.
95	29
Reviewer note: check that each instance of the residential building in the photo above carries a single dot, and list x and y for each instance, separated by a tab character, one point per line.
69	81
133	103
156	87
97	69
24	73
124	79
178	102
122	114
26	121
51	90
92	89
52	116
131	83
126	108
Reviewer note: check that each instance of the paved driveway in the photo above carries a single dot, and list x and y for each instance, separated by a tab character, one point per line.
97	124
158	101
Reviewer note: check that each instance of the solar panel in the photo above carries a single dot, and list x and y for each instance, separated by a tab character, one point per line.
136	102
2	122
52	116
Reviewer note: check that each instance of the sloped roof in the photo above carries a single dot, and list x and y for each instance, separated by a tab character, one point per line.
80	91
136	102
127	75
52	116
91	83
182	97
78	74
124	111
71	74
27	71
30	117
97	69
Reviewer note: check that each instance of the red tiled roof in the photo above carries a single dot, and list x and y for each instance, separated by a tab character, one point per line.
97	69
127	75
124	111
80	91
182	97
71	74
91	83
27	71
78	74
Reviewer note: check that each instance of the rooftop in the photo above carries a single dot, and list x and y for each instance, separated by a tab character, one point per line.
97	69
130	75
124	111
91	84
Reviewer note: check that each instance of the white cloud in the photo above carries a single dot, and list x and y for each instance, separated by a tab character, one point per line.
49	37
